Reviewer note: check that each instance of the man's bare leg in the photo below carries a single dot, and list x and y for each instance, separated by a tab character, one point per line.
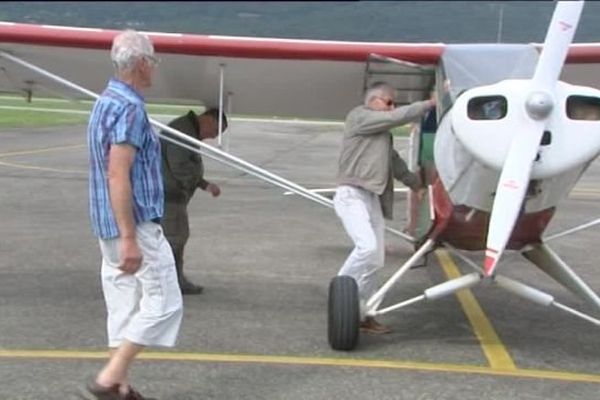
115	371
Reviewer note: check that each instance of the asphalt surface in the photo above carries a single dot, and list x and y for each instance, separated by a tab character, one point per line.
259	331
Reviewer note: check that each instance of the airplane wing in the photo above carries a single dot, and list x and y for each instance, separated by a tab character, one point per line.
249	76
260	76
254	76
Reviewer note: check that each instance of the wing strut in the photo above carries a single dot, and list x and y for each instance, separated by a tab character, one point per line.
202	148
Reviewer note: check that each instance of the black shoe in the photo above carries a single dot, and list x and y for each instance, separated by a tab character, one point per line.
188	287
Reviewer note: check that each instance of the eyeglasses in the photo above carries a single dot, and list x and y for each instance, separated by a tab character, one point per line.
387	101
154	61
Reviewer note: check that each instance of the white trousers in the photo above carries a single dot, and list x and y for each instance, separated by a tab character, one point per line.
360	212
145	308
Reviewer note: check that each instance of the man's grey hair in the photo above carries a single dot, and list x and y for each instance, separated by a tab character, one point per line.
379	89
128	47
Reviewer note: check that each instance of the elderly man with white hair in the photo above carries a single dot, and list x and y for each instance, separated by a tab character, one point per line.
367	167
138	273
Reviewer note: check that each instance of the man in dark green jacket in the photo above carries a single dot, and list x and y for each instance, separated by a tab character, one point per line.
183	172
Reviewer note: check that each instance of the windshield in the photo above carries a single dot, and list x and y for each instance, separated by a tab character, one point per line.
467	66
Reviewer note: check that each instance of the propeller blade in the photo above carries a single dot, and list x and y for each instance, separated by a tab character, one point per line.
523	150
556	45
510	192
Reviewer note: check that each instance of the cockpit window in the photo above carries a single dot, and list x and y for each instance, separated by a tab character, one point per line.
487	108
583	108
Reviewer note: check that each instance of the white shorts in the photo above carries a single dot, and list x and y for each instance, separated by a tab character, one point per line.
145	308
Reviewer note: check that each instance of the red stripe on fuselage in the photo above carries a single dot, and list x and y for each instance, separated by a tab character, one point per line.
466	228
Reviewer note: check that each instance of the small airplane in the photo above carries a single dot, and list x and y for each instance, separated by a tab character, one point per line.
509	141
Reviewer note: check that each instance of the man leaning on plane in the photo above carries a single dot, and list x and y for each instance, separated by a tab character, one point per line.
367	167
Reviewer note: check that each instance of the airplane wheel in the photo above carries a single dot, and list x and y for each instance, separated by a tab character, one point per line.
344	313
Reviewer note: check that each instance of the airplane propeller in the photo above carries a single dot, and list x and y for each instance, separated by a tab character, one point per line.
523	150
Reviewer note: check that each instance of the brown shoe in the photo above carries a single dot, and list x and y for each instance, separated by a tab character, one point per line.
370	326
93	391
133	394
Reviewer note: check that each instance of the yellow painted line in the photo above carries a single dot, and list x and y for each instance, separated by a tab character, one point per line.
306	361
40	109
492	347
24	166
277	120
38	151
586	185
585	193
585	190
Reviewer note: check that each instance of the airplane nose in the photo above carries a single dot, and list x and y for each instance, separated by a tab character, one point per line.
539	105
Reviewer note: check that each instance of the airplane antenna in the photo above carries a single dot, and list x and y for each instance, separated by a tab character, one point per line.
220	120
500	23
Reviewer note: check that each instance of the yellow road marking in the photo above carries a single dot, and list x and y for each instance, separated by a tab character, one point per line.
492	347
586	190
155	114
44	150
318	361
23	166
39	151
585	193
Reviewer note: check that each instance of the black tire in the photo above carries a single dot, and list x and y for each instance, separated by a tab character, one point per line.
344	313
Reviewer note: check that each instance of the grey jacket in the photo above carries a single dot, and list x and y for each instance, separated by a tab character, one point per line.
182	169
368	159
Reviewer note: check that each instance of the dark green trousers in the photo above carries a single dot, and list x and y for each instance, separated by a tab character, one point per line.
176	227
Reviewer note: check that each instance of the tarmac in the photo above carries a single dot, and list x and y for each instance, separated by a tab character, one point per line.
259	330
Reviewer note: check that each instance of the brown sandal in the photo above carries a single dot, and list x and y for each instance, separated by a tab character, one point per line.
97	392
369	325
133	394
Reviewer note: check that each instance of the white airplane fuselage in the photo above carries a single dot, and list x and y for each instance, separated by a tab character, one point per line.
468	166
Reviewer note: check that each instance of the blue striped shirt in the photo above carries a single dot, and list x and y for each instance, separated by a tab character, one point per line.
118	117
